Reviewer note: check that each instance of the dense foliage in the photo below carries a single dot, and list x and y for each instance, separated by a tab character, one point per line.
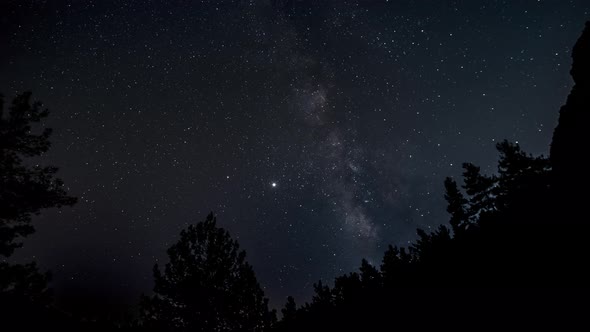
206	286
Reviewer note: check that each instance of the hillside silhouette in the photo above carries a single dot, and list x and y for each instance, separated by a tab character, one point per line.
516	251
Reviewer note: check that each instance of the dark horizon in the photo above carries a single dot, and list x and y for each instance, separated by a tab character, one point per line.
318	133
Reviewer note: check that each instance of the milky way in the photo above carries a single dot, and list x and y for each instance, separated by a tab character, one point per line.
317	131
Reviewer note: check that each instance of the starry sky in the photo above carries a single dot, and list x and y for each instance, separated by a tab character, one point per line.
319	132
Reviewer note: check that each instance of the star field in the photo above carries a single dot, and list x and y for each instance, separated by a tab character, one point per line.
319	132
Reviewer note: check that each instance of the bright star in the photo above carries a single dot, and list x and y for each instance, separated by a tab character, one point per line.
274	184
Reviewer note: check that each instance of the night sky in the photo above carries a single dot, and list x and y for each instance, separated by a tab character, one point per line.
319	132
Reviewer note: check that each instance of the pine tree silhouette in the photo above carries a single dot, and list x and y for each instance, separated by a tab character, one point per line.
206	286
290	310
25	190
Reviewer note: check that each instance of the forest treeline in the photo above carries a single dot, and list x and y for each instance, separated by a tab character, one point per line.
514	253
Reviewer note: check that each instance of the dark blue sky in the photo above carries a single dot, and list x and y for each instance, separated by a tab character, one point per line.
356	110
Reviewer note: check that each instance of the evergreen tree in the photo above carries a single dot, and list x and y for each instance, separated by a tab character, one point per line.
396	266
289	311
456	207
25	190
370	276
206	286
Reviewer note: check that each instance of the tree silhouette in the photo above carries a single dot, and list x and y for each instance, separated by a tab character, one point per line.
497	240
517	240
206	286
25	190
290	310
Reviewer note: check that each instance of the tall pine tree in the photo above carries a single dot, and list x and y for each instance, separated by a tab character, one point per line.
25	190
206	286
